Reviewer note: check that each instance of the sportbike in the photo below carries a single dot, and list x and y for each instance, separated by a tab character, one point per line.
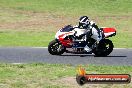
65	41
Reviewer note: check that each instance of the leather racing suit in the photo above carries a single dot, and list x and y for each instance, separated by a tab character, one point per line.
91	31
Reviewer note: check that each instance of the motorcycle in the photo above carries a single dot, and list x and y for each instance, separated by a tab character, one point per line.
65	41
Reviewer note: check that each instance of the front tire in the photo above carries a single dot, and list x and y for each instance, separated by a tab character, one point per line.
104	48
56	48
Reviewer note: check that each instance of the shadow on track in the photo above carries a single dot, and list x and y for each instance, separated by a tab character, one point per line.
92	55
78	55
116	56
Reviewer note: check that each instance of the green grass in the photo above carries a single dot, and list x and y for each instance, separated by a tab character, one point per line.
38	75
73	7
25	38
29	22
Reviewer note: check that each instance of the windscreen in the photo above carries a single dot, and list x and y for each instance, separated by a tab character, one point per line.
67	28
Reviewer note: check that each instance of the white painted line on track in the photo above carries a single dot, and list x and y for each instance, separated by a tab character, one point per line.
39	47
18	63
122	48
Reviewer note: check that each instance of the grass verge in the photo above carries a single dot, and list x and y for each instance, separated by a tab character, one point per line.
25	38
34	23
39	75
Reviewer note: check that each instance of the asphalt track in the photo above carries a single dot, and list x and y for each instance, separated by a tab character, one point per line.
33	55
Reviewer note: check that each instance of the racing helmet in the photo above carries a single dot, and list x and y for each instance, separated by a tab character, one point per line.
84	22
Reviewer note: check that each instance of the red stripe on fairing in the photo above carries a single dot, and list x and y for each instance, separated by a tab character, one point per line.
64	34
107	30
61	37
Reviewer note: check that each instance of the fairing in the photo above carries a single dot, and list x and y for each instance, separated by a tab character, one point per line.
108	32
63	35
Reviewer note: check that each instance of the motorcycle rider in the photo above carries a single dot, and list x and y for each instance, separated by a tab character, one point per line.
89	29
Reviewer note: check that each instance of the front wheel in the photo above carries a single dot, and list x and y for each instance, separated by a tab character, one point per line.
56	48
104	48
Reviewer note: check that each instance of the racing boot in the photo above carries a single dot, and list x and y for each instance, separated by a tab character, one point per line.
88	49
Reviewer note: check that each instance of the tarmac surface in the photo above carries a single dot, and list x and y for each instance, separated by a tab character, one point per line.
40	54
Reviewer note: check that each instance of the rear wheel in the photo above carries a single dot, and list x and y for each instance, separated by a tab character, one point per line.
56	48
104	48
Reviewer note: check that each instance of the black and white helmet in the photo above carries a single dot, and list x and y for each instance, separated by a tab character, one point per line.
84	21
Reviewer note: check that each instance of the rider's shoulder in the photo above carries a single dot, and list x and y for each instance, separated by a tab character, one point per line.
92	23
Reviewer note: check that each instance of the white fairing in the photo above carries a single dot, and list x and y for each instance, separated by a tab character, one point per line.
95	34
66	33
58	33
108	34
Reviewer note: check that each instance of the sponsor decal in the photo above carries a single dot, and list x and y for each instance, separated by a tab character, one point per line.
82	77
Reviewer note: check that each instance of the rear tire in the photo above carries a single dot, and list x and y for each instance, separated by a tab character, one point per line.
56	48
104	48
